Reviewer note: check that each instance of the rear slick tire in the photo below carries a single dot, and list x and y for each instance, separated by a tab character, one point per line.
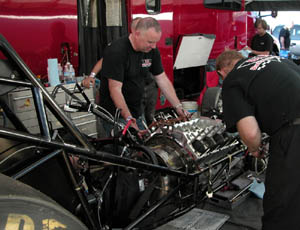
22	207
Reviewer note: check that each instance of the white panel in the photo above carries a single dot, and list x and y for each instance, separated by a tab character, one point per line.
194	51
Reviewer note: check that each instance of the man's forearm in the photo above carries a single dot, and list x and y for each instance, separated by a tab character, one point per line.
253	144
120	103
282	42
115	90
167	89
97	67
250	133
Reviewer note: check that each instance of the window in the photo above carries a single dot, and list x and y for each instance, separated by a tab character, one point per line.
153	6
276	31
223	4
295	32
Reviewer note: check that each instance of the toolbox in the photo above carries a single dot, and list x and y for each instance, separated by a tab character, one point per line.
22	104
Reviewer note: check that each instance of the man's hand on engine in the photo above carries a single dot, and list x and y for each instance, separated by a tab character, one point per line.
134	124
261	151
183	114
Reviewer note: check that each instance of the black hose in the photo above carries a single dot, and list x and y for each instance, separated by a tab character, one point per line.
148	151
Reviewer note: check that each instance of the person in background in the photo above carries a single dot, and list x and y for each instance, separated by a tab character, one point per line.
255	96
284	38
90	80
262	42
149	98
126	63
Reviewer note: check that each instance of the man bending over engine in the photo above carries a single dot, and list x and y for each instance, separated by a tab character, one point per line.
261	94
126	63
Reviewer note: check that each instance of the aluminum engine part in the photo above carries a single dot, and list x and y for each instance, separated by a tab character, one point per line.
199	138
201	146
202	135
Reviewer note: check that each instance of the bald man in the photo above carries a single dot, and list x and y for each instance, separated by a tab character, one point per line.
126	63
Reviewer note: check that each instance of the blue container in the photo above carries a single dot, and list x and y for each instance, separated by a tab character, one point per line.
284	53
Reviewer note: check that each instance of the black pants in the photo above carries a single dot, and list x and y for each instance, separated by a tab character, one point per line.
149	101
281	201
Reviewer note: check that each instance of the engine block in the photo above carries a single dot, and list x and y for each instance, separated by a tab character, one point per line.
203	140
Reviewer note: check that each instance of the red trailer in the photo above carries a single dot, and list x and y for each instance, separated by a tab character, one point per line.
39	30
173	177
43	29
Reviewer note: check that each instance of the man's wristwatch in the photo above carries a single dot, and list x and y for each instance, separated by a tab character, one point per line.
128	118
178	106
92	75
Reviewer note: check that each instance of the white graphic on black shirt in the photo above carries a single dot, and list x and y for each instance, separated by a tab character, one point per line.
146	63
259	62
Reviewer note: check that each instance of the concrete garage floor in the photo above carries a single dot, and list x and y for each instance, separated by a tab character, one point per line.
246	216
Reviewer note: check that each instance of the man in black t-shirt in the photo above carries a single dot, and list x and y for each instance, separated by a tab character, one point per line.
262	42
284	38
126	63
261	94
90	80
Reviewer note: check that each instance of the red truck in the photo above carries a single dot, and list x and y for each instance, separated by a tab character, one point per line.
43	29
